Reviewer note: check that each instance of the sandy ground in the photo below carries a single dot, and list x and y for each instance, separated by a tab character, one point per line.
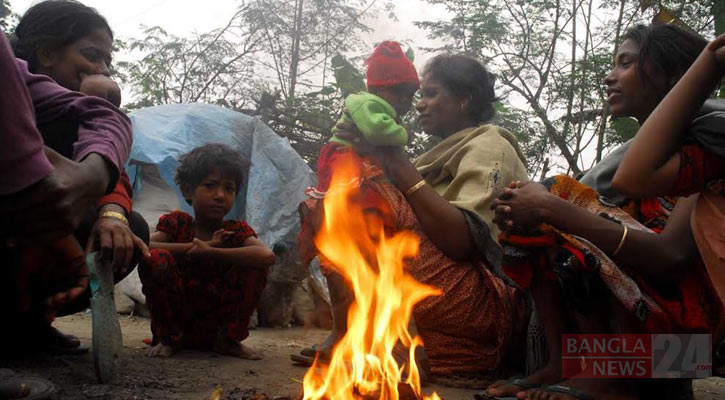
195	375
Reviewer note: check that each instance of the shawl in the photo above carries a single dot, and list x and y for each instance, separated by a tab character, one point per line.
472	167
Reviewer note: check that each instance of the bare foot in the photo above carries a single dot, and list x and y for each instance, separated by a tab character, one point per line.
550	373
161	350
236	349
600	389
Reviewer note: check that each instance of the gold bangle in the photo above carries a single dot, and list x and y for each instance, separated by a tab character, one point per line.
621	241
116	215
415	188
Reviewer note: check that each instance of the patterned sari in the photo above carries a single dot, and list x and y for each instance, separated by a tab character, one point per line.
479	319
584	272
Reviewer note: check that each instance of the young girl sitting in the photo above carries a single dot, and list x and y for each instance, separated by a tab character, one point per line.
205	275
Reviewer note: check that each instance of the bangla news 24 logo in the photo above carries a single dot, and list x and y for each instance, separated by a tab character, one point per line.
636	356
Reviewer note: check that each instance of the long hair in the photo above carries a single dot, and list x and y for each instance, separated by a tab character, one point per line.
667	48
52	25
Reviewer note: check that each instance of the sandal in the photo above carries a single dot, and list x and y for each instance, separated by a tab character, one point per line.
14	386
523	383
107	339
306	356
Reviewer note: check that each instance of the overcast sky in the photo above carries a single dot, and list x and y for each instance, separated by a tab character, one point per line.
182	17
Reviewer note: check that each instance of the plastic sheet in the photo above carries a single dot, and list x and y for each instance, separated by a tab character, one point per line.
277	176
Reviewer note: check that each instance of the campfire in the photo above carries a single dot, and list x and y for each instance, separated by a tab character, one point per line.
356	246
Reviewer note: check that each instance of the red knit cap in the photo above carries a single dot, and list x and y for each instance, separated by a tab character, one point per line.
389	66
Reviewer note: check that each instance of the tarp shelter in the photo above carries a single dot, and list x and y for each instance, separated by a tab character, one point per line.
268	199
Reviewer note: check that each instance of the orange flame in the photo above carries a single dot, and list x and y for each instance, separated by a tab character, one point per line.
362	364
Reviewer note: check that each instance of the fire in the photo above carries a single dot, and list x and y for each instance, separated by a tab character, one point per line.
362	365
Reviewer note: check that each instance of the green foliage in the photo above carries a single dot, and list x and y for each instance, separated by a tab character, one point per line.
298	58
210	67
285	61
301	36
624	128
348	79
551	57
525	127
410	54
697	15
8	19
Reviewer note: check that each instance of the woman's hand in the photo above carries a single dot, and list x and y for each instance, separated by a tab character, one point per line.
115	240
521	205
54	206
395	163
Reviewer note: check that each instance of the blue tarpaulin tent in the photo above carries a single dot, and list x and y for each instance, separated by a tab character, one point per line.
268	199
277	176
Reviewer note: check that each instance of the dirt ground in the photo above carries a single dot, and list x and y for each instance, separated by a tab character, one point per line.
195	375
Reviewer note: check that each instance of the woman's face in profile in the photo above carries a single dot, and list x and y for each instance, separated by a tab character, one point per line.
628	93
440	112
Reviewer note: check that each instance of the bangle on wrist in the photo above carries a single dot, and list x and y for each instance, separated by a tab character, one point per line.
415	188
621	241
116	215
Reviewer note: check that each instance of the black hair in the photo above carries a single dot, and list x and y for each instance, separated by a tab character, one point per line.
466	77
53	24
667	48
197	164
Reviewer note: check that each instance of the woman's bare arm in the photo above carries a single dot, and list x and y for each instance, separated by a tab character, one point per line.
651	165
660	257
443	222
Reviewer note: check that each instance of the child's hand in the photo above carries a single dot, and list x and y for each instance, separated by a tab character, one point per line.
199	250
220	237
101	86
717	46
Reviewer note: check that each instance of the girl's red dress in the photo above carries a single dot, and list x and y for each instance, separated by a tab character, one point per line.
191	303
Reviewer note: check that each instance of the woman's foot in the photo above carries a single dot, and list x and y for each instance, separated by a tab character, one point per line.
583	389
233	348
161	350
550	373
58	342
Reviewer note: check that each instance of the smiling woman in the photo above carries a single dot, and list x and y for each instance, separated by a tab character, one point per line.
72	44
628	264
64	40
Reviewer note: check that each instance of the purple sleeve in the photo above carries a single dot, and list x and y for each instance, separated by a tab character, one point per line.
22	158
102	128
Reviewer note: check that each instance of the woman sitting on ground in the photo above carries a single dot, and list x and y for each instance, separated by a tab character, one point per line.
42	197
72	44
658	162
477	326
574	249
